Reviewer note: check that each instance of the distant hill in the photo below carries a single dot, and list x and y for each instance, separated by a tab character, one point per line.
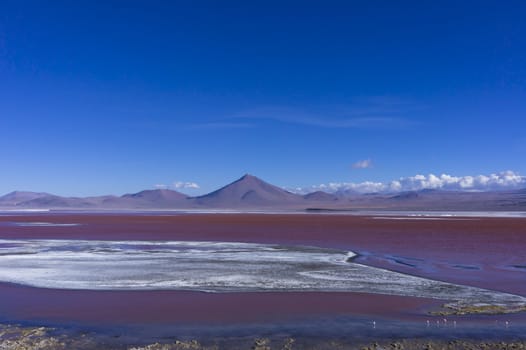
250	192
16	197
406	195
321	196
445	200
52	201
148	199
160	198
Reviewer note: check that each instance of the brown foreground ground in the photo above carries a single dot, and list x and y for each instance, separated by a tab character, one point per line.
21	338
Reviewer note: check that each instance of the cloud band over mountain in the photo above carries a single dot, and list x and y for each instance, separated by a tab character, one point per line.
500	181
178	185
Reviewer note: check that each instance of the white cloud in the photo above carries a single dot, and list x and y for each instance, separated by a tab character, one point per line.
181	184
500	181
161	186
363	164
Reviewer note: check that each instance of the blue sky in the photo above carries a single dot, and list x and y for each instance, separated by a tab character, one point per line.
118	96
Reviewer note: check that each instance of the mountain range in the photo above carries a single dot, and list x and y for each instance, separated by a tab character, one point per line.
251	193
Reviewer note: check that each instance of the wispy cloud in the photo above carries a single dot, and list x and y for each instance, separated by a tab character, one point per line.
325	119
183	185
500	181
363	164
360	113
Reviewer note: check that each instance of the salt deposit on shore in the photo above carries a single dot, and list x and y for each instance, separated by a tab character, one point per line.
224	267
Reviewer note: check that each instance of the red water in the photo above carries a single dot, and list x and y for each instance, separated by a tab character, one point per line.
491	245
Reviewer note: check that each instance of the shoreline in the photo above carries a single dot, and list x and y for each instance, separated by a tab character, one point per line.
381	213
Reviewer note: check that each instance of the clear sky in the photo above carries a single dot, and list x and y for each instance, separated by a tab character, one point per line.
104	97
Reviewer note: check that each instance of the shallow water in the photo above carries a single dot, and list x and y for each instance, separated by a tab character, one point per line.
216	267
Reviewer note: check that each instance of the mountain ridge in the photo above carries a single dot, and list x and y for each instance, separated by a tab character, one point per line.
250	192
